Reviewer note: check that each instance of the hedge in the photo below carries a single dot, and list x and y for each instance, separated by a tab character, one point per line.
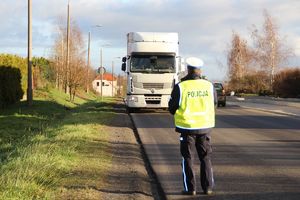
287	83
17	62
10	85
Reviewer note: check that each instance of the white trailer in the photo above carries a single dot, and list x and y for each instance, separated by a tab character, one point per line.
152	64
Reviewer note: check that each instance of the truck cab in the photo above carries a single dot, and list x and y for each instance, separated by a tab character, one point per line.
152	64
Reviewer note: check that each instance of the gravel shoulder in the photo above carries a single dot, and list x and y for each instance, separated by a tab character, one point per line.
127	177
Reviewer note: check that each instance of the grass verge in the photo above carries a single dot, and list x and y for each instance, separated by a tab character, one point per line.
43	146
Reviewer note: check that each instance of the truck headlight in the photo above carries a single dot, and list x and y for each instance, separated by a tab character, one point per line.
135	99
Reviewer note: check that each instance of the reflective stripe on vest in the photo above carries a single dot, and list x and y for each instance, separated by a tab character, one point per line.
196	105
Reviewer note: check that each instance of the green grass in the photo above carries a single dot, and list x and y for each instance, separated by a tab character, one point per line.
44	147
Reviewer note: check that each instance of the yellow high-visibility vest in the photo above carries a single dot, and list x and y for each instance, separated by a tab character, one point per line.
196	105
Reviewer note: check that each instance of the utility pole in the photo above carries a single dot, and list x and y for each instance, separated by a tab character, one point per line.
68	50
60	82
88	63
89	56
101	73
29	59
112	82
102	69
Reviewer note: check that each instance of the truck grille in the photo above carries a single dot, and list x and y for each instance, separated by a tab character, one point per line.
152	99
153	85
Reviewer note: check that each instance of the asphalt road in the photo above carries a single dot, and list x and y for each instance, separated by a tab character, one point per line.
279	109
256	155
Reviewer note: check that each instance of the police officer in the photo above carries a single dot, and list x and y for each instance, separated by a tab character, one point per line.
193	103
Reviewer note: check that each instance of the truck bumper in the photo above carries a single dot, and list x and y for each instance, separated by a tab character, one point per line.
147	101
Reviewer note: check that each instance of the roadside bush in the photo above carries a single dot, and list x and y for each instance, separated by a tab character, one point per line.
287	83
16	62
253	83
43	74
10	85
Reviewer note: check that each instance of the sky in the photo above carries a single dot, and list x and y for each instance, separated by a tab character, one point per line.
205	27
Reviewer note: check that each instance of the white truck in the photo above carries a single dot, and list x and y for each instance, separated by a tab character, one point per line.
152	65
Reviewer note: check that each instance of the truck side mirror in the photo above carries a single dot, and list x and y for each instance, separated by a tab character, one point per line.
123	67
124	59
181	64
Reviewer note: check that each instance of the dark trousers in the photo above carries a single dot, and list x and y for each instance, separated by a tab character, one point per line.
204	150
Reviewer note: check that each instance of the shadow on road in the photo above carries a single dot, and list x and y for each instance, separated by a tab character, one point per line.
241	172
243	196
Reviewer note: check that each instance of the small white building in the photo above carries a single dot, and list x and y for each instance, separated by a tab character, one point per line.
109	85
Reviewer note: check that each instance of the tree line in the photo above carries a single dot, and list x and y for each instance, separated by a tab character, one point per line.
258	68
41	69
54	71
13	76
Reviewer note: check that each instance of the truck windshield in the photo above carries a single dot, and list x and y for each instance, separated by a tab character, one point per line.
153	64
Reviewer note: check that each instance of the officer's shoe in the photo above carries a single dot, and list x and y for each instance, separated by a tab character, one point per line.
208	192
192	193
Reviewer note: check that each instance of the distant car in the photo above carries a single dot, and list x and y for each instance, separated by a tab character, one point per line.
221	94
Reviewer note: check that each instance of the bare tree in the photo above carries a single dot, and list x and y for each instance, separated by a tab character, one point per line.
59	61
239	58
77	77
59	56
271	50
77	62
77	66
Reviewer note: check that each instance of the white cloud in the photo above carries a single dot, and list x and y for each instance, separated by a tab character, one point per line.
204	27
